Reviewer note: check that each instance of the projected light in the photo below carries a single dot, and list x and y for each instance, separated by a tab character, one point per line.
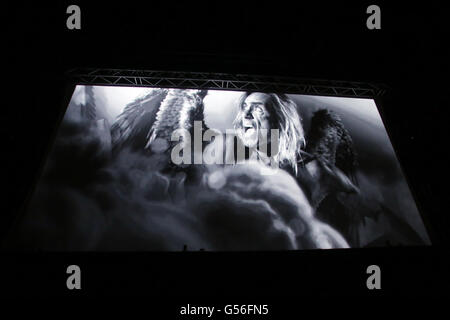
136	168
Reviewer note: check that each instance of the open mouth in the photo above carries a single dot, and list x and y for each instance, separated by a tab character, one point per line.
249	134
247	128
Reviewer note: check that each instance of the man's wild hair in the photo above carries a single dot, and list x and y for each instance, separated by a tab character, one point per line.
284	116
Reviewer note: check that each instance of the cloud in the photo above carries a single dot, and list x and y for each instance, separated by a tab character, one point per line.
89	200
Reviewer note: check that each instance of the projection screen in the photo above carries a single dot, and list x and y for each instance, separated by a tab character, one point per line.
156	169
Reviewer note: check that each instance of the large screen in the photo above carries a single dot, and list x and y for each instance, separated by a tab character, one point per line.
155	169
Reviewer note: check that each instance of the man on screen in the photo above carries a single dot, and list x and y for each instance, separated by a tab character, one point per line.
268	129
265	119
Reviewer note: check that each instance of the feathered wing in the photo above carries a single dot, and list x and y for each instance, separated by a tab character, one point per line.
343	206
329	141
178	111
336	194
132	125
147	124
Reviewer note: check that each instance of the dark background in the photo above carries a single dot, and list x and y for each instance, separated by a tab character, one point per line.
316	39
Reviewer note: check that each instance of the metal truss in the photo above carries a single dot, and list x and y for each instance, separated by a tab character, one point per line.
221	81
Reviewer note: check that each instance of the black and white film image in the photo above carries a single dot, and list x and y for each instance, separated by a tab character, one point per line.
151	169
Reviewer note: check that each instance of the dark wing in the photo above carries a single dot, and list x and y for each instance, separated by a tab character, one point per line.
147	124
179	110
328	140
330	143
132	125
335	194
156	116
329	161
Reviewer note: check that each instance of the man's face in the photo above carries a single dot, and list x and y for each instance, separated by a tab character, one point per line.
255	116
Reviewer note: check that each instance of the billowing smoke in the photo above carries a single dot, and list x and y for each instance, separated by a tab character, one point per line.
90	200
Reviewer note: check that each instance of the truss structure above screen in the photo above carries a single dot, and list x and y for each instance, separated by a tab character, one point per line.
222	81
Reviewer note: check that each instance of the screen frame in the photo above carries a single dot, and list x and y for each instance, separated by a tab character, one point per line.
227	82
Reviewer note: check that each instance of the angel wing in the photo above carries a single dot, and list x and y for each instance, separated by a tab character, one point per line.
333	185
131	127
329	161
147	124
328	175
